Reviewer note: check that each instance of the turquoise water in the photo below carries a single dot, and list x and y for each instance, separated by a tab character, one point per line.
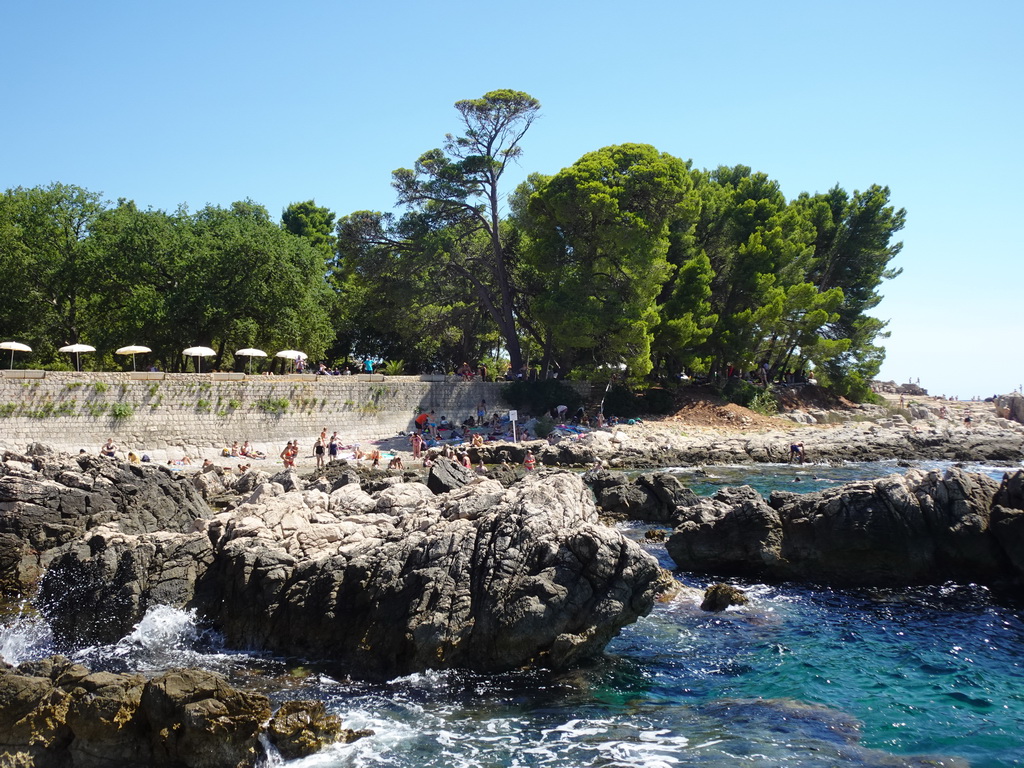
803	676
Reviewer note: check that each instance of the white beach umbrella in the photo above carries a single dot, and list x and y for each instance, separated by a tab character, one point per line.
76	350
250	352
15	346
133	350
292	354
199	352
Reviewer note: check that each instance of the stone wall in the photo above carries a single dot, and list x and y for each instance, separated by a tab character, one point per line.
198	411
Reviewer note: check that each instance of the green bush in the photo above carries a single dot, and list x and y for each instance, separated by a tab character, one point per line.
658	400
392	368
765	403
538	397
622	402
274	405
544	426
740	392
121	411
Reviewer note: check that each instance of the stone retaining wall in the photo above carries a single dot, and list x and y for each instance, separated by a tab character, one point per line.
81	410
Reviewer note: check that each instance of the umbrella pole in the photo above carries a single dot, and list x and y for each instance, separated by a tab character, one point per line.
12	359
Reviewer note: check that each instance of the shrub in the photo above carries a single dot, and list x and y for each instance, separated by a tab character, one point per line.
539	397
658	400
765	403
392	368
275	405
740	392
622	402
121	411
542	428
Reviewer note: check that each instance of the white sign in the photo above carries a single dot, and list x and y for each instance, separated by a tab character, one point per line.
513	415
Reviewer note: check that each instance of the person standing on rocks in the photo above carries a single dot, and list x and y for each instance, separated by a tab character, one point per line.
319	449
530	462
796	452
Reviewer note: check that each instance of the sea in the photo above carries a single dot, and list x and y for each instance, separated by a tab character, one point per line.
803	676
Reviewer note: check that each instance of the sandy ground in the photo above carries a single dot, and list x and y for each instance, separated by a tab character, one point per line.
700	418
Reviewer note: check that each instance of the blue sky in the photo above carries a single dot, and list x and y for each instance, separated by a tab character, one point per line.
211	102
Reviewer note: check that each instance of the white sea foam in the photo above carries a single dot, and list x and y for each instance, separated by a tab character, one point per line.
25	639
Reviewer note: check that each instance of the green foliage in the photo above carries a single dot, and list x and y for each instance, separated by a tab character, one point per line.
99	387
121	411
765	403
8	409
203	405
234	404
740	392
538	397
95	409
543	426
657	401
273	405
622	402
393	368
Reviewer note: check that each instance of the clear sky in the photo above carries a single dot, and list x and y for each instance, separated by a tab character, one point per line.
216	101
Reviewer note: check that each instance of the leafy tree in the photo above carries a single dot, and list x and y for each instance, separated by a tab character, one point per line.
454	202
312	222
44	230
599	237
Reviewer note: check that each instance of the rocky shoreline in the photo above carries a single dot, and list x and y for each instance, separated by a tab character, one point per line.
387	573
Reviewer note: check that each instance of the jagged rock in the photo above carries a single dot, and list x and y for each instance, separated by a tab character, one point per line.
720	596
52	501
302	728
55	713
734	531
917	528
653	497
447	475
482	577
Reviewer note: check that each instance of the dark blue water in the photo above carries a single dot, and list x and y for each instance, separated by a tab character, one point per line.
802	676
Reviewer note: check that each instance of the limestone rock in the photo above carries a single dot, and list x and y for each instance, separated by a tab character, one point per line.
302	728
481	577
55	713
917	528
447	475
720	596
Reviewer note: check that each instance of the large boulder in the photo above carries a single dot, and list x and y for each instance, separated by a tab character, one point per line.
653	497
482	577
50	500
55	714
910	529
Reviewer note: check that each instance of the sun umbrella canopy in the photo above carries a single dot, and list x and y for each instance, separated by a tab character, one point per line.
76	350
199	352
250	352
15	346
133	350
292	354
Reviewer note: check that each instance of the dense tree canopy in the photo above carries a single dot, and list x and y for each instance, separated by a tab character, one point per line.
628	257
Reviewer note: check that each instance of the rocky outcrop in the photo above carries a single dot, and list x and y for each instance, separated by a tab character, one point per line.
917	528
653	497
49	500
720	596
482	577
302	728
59	714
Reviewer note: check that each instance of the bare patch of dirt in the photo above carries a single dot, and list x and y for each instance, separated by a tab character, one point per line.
704	407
